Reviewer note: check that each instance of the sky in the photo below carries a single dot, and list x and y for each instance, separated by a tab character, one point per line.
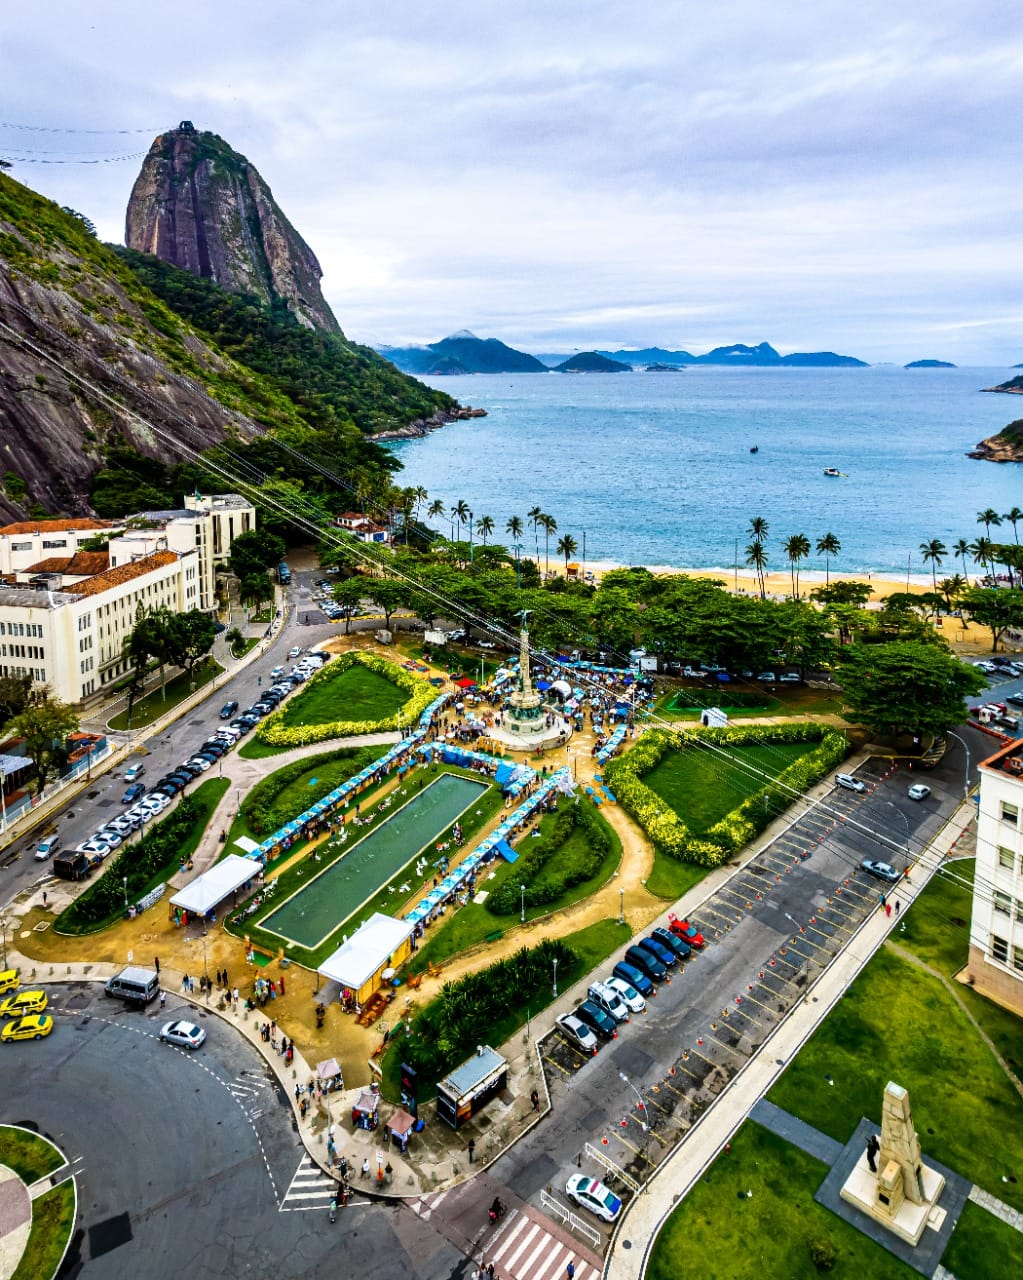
829	175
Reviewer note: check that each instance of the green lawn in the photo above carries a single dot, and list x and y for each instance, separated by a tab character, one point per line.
253	749
670	879
353	694
686	704
155	704
983	1247
29	1155
897	1023
721	1233
53	1218
702	786
473	924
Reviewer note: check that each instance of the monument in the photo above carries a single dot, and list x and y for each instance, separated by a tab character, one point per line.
890	1181
525	726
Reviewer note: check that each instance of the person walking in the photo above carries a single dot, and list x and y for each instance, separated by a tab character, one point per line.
570	1271
156	963
472	1149
898	906
163	998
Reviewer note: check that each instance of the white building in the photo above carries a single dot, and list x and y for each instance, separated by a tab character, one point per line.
995	966
29	541
65	617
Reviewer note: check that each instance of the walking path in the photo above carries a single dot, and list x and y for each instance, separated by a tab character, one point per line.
798	1132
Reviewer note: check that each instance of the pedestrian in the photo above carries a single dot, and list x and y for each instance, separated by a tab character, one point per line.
490	1272
472	1149
225	978
156	963
281	982
888	909
163	998
882	898
570	1271
534	1098
234	993
365	1167
184	984
898	906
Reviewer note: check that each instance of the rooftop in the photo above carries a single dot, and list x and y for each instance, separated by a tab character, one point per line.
82	564
27	598
1007	760
101	582
53	526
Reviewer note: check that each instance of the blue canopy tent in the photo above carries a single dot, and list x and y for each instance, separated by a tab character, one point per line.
506	851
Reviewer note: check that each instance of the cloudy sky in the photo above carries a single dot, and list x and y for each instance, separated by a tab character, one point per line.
822	174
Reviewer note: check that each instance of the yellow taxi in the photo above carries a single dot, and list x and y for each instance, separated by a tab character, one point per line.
8	981
23	1002
32	1027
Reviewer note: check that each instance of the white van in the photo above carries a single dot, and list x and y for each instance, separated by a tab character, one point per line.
134	985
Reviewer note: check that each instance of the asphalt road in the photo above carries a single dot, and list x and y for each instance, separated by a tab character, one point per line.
186	1162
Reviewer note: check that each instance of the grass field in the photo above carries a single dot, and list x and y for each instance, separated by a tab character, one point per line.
670	879
159	702
353	694
29	1155
702	786
53	1216
473	924
983	1247
720	1232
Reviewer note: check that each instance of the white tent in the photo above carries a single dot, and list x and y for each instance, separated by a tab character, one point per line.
212	887
246	844
367	951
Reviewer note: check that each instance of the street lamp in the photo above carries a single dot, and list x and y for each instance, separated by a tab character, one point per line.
639	1097
966	769
621	906
522	889
125	895
891	805
3	927
555	977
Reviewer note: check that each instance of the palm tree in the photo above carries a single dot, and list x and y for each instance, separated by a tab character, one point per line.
436	508
828	546
981	551
987	518
756	555
1014	517
460	512
567	547
961	550
935	551
758	528
485	527
796	548
514	527
952	588
550	525
534	516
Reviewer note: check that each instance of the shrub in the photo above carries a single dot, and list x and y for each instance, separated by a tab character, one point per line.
508	898
275	733
666	828
823	1254
261	809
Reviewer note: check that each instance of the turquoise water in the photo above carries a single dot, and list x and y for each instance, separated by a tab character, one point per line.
316	910
656	468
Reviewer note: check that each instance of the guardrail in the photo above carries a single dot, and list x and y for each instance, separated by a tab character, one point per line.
570	1219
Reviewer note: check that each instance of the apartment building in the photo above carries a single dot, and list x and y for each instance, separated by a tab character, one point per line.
995	965
29	541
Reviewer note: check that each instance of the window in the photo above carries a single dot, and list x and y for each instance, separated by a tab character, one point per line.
21	546
1002	902
1006	858
1010	813
999	949
1017	958
51	544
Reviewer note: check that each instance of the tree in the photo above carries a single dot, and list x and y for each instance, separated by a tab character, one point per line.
567	547
514	528
534	516
981	552
935	552
908	687
436	508
256	550
485	527
254	588
189	638
844	591
961	549
348	595
45	726
797	548
389	594
460	512
951	589
987	518
999	609
756	557
827	546
15	695
549	526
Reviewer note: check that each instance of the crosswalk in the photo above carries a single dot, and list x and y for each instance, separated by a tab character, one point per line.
526	1250
310	1188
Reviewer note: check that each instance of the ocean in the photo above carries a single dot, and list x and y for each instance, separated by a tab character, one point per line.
656	468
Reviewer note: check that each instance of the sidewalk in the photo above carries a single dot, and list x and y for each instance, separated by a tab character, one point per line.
676	1176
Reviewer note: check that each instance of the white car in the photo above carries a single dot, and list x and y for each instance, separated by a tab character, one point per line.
633	1001
200	763
95	845
157	801
276	673
294	651
47	847
186	1035
918	791
849	782
112	838
593	1195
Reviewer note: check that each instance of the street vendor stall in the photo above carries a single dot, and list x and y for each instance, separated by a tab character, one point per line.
365	1112
400	1125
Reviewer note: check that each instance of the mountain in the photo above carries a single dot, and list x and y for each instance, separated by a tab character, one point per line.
652	355
98	372
928	364
201	206
762	355
1013	387
462	352
1006	446
591	362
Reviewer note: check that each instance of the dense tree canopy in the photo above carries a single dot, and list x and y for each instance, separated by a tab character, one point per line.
908	687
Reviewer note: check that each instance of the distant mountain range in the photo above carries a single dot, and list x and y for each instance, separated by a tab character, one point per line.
464	352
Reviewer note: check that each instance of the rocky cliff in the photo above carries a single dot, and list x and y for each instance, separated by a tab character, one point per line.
1006	446
201	206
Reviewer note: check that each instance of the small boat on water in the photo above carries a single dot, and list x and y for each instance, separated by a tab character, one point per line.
833	471
755	448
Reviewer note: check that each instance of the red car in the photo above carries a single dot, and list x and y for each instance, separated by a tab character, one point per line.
687	932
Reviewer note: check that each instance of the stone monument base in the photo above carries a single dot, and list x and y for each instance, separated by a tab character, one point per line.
530	739
910	1220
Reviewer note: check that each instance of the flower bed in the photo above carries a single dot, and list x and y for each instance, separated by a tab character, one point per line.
666	828
275	733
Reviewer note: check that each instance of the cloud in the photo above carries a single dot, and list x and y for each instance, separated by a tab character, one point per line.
838	175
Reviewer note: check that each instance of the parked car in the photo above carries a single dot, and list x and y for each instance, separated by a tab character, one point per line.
294	651
688	932
134	772
882	870
681	948
111	837
789	677
635	977
32	1027
918	791
24	1002
47	848
132	794
766	677
228	710
1016	699
577	1033
593	1195
630	997
661	950
849	782
610	1000
242	725
646	962
186	1035
597	1019
276	673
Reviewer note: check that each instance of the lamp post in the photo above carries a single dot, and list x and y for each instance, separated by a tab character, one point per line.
517	548
522	894
639	1098
125	880
3	928
555	977
966	767
621	906
891	805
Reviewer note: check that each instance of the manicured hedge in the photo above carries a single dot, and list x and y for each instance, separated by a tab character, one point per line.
508	898
275	733
668	830
262	810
